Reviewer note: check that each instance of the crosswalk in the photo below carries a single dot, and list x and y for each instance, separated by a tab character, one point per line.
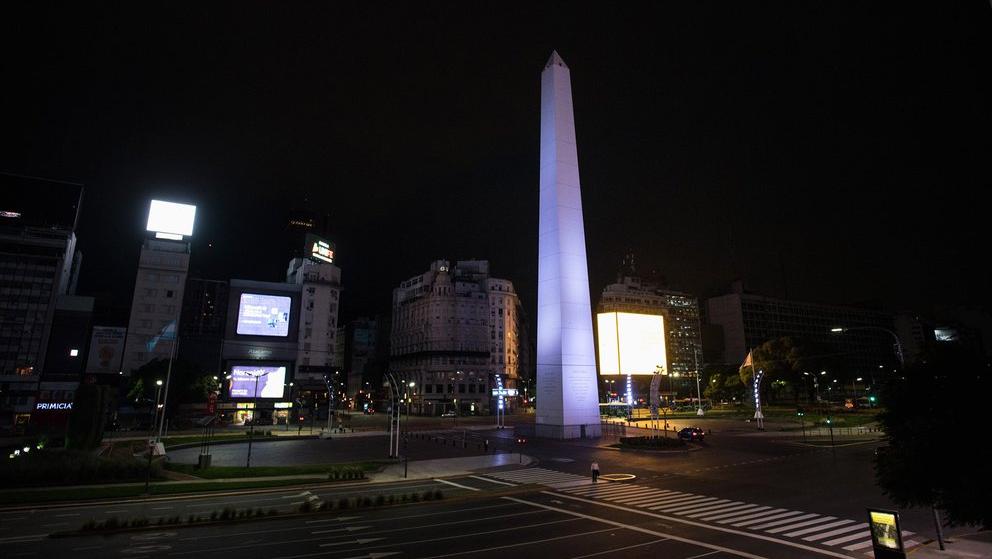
541	476
808	527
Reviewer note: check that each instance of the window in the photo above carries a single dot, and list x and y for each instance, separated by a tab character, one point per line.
461	388
428	388
471	388
169	293
438	388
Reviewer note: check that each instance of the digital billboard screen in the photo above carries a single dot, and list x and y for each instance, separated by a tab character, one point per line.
171	218
270	381
264	315
630	344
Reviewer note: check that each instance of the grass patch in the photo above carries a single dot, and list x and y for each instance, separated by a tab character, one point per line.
227	472
121	492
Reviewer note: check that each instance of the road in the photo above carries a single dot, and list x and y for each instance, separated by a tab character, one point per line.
739	495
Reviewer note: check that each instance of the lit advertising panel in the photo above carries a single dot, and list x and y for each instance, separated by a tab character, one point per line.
270	381
263	315
171	218
319	249
106	350
630	344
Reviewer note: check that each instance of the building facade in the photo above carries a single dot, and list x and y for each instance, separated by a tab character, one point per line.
320	292
748	320
38	264
453	329
157	302
201	325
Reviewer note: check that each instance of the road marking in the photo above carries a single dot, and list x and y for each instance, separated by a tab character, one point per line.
507	546
836	532
345	529
801	524
780	522
699	524
358	541
632	527
87	548
702	555
162	508
764	518
736	512
493	480
614	550
15	539
338	519
457	485
805	531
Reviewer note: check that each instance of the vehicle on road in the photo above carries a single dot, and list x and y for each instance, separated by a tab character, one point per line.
449	413
369	411
691	434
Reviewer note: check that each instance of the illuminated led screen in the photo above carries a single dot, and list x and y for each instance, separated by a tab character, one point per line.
271	381
263	315
171	218
630	344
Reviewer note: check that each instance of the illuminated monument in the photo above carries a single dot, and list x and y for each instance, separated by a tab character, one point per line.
567	397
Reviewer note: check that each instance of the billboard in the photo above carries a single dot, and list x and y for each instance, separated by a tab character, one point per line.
630	344
106	350
319	249
257	381
263	315
171	220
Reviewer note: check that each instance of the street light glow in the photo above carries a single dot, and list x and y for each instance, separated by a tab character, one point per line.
836	329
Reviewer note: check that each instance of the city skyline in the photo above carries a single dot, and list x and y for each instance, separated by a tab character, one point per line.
726	185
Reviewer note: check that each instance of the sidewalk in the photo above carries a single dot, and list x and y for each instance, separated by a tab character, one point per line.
969	546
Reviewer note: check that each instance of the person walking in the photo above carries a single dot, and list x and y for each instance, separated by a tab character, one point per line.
595	471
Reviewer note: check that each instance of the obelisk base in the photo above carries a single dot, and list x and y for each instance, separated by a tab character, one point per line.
548	431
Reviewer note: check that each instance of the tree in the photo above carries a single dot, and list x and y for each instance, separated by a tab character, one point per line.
188	384
724	385
89	414
931	413
784	360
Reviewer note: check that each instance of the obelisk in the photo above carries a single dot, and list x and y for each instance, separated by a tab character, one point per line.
567	397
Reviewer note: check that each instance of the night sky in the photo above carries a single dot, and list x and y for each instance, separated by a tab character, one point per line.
836	152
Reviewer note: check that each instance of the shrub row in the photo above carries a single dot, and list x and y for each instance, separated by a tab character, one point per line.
69	467
228	513
345	503
344	473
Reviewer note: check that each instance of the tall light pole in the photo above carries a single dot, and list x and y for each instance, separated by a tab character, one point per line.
699	392
897	345
254	417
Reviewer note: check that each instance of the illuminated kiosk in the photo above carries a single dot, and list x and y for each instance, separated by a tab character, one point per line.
567	393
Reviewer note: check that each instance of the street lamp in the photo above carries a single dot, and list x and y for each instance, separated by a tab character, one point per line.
897	345
254	416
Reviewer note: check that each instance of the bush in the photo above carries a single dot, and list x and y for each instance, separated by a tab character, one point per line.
305	506
71	467
273	512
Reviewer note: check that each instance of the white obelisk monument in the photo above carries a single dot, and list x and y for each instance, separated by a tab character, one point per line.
567	396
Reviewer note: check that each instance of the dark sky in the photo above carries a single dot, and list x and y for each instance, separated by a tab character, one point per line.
839	150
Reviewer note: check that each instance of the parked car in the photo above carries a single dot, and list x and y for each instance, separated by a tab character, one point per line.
449	413
691	434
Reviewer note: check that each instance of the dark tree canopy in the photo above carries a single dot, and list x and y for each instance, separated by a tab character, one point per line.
933	419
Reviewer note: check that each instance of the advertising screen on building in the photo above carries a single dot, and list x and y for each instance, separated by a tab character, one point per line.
319	249
171	218
264	315
630	344
106	350
257	381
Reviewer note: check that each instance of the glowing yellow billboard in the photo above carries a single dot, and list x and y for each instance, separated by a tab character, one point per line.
630	344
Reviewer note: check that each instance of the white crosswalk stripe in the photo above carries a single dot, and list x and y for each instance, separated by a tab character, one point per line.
542	476
817	529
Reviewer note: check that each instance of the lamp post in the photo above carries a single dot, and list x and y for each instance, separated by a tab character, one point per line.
151	432
254	417
699	392
897	345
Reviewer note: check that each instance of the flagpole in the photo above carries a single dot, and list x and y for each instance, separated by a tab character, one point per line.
168	377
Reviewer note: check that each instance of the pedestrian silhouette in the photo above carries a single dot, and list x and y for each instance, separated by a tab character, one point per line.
595	471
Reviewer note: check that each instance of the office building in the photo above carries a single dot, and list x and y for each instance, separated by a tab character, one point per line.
320	291
38	264
157	302
748	320
453	329
202	323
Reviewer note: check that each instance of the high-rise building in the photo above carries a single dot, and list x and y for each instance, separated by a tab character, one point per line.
358	339
38	263
680	311
320	283
567	394
157	302
749	319
201	326
453	330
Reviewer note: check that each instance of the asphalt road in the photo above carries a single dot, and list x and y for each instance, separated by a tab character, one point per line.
739	495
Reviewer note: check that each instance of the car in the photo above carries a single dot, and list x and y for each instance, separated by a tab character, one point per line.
369	411
449	413
691	434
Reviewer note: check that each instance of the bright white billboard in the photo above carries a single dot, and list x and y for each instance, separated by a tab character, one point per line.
264	315
171	218
253	381
630	344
